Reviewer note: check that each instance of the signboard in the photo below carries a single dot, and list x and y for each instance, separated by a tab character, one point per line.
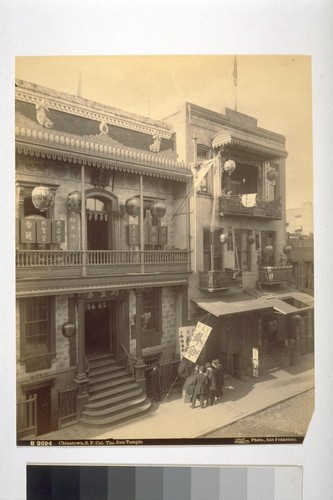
163	235
73	231
133	234
28	230
197	341
43	230
58	231
255	362
184	334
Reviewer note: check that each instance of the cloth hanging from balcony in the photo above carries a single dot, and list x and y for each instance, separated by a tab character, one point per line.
249	200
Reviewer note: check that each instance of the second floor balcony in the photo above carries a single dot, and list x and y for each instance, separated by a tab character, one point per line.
240	205
219	280
60	263
273	275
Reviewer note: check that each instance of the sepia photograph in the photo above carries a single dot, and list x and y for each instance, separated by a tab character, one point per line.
164	250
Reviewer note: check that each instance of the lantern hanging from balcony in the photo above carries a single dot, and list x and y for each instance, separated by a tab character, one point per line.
74	201
158	209
287	250
132	206
250	239
296	319
68	329
223	238
272	175
229	166
42	198
268	250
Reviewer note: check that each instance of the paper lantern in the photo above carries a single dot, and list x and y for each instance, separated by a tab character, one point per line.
223	238
268	250
74	201
132	206
68	329
250	239
272	175
158	209
42	198
287	249
297	318
229	166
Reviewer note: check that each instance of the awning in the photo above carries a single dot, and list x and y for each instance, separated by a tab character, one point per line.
220	308
250	142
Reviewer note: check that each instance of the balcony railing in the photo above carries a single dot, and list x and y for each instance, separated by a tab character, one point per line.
272	275
233	205
101	261
219	280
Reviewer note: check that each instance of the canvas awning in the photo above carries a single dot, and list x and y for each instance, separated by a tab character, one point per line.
220	308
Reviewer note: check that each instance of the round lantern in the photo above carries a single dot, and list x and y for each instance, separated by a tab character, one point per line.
271	175
74	201
269	250
223	239
42	198
272	325
68	329
158	209
250	239
297	318
287	250
132	206
229	166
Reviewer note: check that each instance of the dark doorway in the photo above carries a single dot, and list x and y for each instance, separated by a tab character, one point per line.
43	408
99	328
98	234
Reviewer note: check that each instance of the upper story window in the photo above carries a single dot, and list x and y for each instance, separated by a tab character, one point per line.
208	255
243	249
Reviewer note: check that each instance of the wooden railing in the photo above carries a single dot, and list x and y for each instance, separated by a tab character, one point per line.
219	280
67	407
26	417
53	258
232	204
126	359
168	372
271	275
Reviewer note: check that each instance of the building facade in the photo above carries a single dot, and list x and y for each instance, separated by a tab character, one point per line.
242	277
102	263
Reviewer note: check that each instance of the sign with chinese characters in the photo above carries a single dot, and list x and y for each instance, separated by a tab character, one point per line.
58	231
184	334
255	362
73	231
133	234
43	230
197	341
163	235
28	230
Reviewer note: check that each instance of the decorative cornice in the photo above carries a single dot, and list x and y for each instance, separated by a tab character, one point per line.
65	147
84	285
78	106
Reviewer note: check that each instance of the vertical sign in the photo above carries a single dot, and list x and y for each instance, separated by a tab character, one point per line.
255	362
43	228
197	341
58	231
28	230
153	235
73	231
163	235
184	334
133	234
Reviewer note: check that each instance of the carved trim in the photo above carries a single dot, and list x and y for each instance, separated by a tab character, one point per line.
110	116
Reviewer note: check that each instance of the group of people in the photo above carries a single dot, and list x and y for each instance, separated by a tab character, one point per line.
204	383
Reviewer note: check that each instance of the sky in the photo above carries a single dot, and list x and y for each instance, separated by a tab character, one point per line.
274	89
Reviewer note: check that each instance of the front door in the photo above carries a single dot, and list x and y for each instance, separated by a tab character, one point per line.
43	408
99	328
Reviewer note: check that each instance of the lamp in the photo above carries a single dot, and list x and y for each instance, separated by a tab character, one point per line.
132	206
158	209
42	198
229	166
74	201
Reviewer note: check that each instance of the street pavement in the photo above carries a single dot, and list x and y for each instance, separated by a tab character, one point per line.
173	419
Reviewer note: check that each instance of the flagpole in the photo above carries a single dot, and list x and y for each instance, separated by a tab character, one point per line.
195	208
235	80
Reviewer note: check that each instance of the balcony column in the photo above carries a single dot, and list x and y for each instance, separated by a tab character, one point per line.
83	223
139	366
142	232
184	305
81	378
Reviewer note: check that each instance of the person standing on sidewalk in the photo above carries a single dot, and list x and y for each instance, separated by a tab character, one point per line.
219	377
200	383
212	376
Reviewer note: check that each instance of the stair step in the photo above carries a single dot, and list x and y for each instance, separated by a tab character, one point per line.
111	392
103	412
104	378
131	413
102	362
107	401
109	368
109	384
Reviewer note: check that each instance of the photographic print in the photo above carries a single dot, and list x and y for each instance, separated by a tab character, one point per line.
164	250
82	482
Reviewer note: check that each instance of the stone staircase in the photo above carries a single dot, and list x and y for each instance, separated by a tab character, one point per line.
114	395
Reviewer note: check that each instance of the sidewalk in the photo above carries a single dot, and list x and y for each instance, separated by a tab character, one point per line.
175	419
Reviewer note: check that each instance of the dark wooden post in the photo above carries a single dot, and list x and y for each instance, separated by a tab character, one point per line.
81	378
139	366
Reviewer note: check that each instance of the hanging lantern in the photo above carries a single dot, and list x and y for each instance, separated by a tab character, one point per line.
68	329
74	201
272	175
223	238
229	166
42	198
132	206
297	319
287	250
158	209
268	250
250	239
272	325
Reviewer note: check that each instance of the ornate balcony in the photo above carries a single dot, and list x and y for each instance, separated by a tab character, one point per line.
273	275
233	205
59	263
219	280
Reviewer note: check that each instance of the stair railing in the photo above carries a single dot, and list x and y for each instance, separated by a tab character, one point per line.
127	359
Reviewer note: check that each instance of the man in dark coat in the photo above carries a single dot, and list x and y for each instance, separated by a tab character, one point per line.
219	377
200	384
155	383
213	384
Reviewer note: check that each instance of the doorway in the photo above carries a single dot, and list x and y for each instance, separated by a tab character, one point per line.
99	235
43	408
100	320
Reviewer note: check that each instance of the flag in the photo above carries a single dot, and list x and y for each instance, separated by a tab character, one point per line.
197	341
235	71
203	170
